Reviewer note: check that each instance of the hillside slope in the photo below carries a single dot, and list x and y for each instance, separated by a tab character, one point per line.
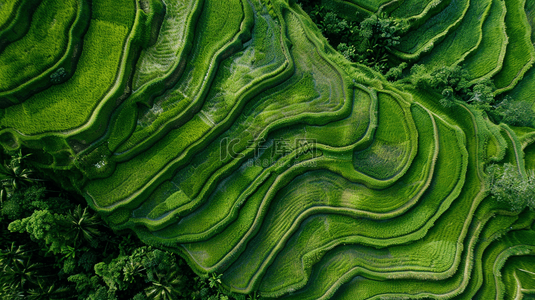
232	133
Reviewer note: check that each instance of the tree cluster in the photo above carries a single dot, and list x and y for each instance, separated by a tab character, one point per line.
506	184
54	247
370	43
367	42
454	85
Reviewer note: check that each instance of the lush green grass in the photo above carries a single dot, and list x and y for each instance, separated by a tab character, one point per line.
349	130
7	8
436	246
343	185
123	184
423	38
15	19
488	58
524	90
391	148
340	225
120	13
160	59
292	266
54	109
530	157
371	5
518	276
417	12
410	8
212	36
514	243
466	38
520	52
43	45
448	288
496	145
257	118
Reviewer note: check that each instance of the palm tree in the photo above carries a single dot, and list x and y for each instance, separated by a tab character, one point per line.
166	286
83	225
13	174
7	292
50	292
18	274
13	255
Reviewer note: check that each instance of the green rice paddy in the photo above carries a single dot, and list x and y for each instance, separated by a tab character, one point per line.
233	134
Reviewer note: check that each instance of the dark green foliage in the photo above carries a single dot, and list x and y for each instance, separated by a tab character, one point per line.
367	43
55	249
334	28
453	84
23	202
58	76
160	269
83	226
14	174
516	113
506	184
45	227
396	73
379	35
482	94
450	82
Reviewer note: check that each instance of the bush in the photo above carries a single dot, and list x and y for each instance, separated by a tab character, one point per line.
507	185
58	76
516	113
453	84
395	73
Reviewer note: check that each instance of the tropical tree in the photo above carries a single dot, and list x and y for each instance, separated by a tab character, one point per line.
50	292
20	274
516	113
14	174
166	286
83	225
13	255
506	184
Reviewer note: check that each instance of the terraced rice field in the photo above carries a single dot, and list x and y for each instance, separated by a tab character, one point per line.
230	132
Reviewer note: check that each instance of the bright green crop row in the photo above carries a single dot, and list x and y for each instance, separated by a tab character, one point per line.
455	47
185	98
7	10
518	277
371	5
37	113
15	18
408	8
159	60
22	60
430	10
520	53
232	133
463	285
488	58
317	290
423	38
371	231
303	249
391	147
54	108
58	51
193	186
